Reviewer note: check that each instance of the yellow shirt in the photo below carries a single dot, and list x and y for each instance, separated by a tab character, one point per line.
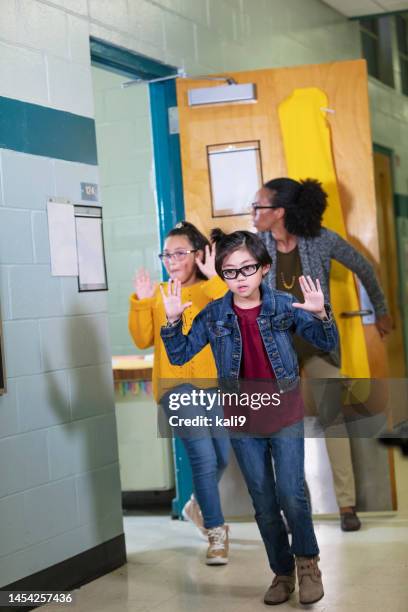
147	316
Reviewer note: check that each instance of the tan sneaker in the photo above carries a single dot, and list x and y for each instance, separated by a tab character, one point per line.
217	553
280	590
191	512
309	579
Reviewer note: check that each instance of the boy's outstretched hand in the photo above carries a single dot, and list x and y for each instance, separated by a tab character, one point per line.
314	298
172	301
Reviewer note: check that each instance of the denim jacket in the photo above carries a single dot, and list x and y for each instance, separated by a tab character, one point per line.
217	324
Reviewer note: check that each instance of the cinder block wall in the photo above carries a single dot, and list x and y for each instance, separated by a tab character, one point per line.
59	477
125	157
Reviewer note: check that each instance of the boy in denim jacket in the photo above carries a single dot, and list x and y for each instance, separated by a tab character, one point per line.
249	331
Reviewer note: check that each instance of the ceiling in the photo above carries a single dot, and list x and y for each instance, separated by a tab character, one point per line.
358	8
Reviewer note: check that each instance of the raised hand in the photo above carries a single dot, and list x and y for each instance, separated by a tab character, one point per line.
144	288
313	294
172	301
207	267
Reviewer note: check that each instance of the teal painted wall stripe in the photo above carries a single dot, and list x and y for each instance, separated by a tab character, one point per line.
39	130
401	204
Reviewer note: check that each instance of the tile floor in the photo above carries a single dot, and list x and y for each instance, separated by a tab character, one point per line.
366	571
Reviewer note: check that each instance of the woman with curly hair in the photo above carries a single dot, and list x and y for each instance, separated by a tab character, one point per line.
288	216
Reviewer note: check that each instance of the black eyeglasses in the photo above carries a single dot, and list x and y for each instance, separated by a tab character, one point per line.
178	255
248	270
257	206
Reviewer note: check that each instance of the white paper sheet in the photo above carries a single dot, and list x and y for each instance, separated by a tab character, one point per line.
90	253
62	237
235	178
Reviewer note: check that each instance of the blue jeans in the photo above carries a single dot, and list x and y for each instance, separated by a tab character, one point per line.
207	450
208	459
286	491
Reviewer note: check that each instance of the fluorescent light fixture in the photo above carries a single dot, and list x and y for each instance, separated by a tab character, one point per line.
222	94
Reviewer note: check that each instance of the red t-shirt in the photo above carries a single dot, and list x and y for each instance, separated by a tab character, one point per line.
256	368
255	361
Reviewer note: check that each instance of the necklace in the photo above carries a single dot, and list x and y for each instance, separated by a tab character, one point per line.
288	285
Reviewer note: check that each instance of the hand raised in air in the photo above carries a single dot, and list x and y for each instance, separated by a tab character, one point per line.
172	301
313	295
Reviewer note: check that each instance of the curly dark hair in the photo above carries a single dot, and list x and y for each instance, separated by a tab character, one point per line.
304	203
228	243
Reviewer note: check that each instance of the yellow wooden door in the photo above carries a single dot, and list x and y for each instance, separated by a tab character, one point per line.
207	129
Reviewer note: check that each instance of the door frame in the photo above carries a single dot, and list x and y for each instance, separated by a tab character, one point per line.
168	177
377	148
390	153
166	147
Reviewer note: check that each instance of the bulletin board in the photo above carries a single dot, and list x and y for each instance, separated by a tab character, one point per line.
76	243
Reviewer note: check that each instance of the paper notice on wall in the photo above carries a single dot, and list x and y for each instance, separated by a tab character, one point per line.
235	177
91	260
62	237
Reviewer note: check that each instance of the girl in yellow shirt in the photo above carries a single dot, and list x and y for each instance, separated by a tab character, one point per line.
187	257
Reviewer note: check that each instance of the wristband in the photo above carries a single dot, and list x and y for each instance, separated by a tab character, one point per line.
172	324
